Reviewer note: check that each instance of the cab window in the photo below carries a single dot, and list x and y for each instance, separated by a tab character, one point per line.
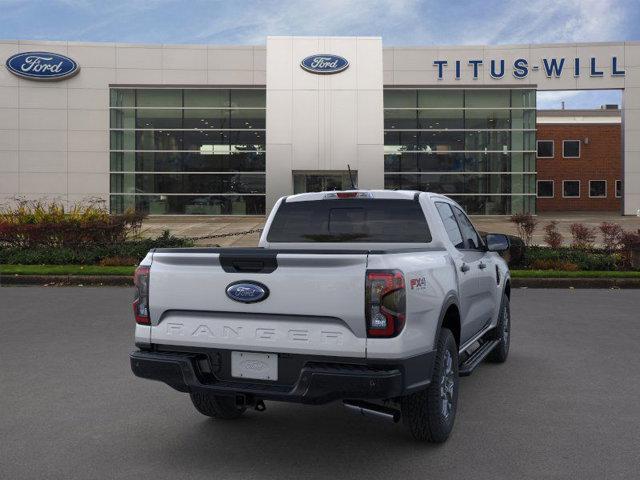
471	238
450	224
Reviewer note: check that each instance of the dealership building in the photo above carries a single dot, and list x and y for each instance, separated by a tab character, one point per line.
226	130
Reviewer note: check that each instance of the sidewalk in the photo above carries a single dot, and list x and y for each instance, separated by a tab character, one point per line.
198	226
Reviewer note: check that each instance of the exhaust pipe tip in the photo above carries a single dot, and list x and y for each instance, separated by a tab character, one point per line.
367	409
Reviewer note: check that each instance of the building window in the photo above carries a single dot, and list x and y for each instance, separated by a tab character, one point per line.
545	148
478	146
618	188
597	188
324	181
571	188
197	151
571	149
545	188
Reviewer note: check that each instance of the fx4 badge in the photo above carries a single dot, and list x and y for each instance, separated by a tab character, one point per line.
419	283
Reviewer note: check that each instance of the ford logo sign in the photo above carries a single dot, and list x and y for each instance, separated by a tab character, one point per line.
324	63
246	291
42	66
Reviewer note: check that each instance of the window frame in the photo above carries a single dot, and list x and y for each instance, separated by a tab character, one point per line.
618	182
553	148
605	189
454	219
481	245
324	209
553	188
579	148
572	196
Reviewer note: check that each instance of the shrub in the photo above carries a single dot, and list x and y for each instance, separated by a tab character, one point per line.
526	225
130	249
36	224
629	240
554	264
552	236
118	261
611	234
583	236
585	260
630	249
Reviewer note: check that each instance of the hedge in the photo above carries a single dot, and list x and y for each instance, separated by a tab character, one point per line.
128	252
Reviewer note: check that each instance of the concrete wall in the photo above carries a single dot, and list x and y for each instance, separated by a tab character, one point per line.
323	122
54	136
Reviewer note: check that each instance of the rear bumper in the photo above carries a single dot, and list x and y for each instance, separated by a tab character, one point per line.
318	382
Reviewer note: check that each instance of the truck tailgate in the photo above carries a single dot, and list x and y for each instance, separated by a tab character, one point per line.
315	303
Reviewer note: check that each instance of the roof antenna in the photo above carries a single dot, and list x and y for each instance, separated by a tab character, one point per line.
353	187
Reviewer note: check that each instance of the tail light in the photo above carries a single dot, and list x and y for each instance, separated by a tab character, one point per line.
343	195
141	299
385	303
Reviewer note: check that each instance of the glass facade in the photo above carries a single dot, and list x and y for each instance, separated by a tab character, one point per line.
477	146
323	181
188	151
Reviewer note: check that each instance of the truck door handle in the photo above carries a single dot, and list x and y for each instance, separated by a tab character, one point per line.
464	267
482	266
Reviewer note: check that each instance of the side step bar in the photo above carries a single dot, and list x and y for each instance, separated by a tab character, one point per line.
467	367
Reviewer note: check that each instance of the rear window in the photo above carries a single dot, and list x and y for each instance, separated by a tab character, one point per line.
350	220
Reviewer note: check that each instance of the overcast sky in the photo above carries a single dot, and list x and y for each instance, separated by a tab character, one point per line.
399	22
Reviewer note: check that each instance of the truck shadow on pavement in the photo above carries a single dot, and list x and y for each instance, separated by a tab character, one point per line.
326	439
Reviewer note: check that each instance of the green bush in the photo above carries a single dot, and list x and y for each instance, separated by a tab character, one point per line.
51	225
89	255
593	259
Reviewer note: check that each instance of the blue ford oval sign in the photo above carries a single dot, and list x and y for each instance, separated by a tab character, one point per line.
42	66
324	63
247	291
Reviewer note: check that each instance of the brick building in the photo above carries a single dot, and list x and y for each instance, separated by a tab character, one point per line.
579	160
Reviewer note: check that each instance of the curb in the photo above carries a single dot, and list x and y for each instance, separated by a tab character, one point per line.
575	282
127	281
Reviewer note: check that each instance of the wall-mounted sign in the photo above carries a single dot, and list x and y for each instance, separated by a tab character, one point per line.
324	63
552	67
42	66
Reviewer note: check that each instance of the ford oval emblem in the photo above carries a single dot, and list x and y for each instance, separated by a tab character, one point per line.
324	63
42	66
246	291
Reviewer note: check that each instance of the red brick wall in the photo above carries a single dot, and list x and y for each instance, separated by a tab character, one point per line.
600	159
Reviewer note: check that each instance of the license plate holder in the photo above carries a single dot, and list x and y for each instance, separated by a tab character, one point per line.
255	366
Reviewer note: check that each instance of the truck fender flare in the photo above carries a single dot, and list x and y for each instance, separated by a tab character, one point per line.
507	281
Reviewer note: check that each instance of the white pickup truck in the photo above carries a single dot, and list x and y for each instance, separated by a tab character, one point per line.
381	299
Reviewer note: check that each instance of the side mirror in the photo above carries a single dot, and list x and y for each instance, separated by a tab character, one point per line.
497	242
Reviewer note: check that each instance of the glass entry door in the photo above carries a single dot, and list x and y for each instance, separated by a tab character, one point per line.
323	181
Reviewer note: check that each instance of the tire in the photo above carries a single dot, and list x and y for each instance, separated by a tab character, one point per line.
425	413
214	406
502	332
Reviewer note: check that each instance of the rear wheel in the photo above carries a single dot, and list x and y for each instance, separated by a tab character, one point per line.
430	414
502	332
217	406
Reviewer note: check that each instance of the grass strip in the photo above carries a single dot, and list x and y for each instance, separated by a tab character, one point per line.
64	270
100	270
570	274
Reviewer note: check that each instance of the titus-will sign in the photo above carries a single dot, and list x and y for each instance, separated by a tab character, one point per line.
42	66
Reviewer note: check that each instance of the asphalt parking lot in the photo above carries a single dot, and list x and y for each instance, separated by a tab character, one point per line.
565	405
